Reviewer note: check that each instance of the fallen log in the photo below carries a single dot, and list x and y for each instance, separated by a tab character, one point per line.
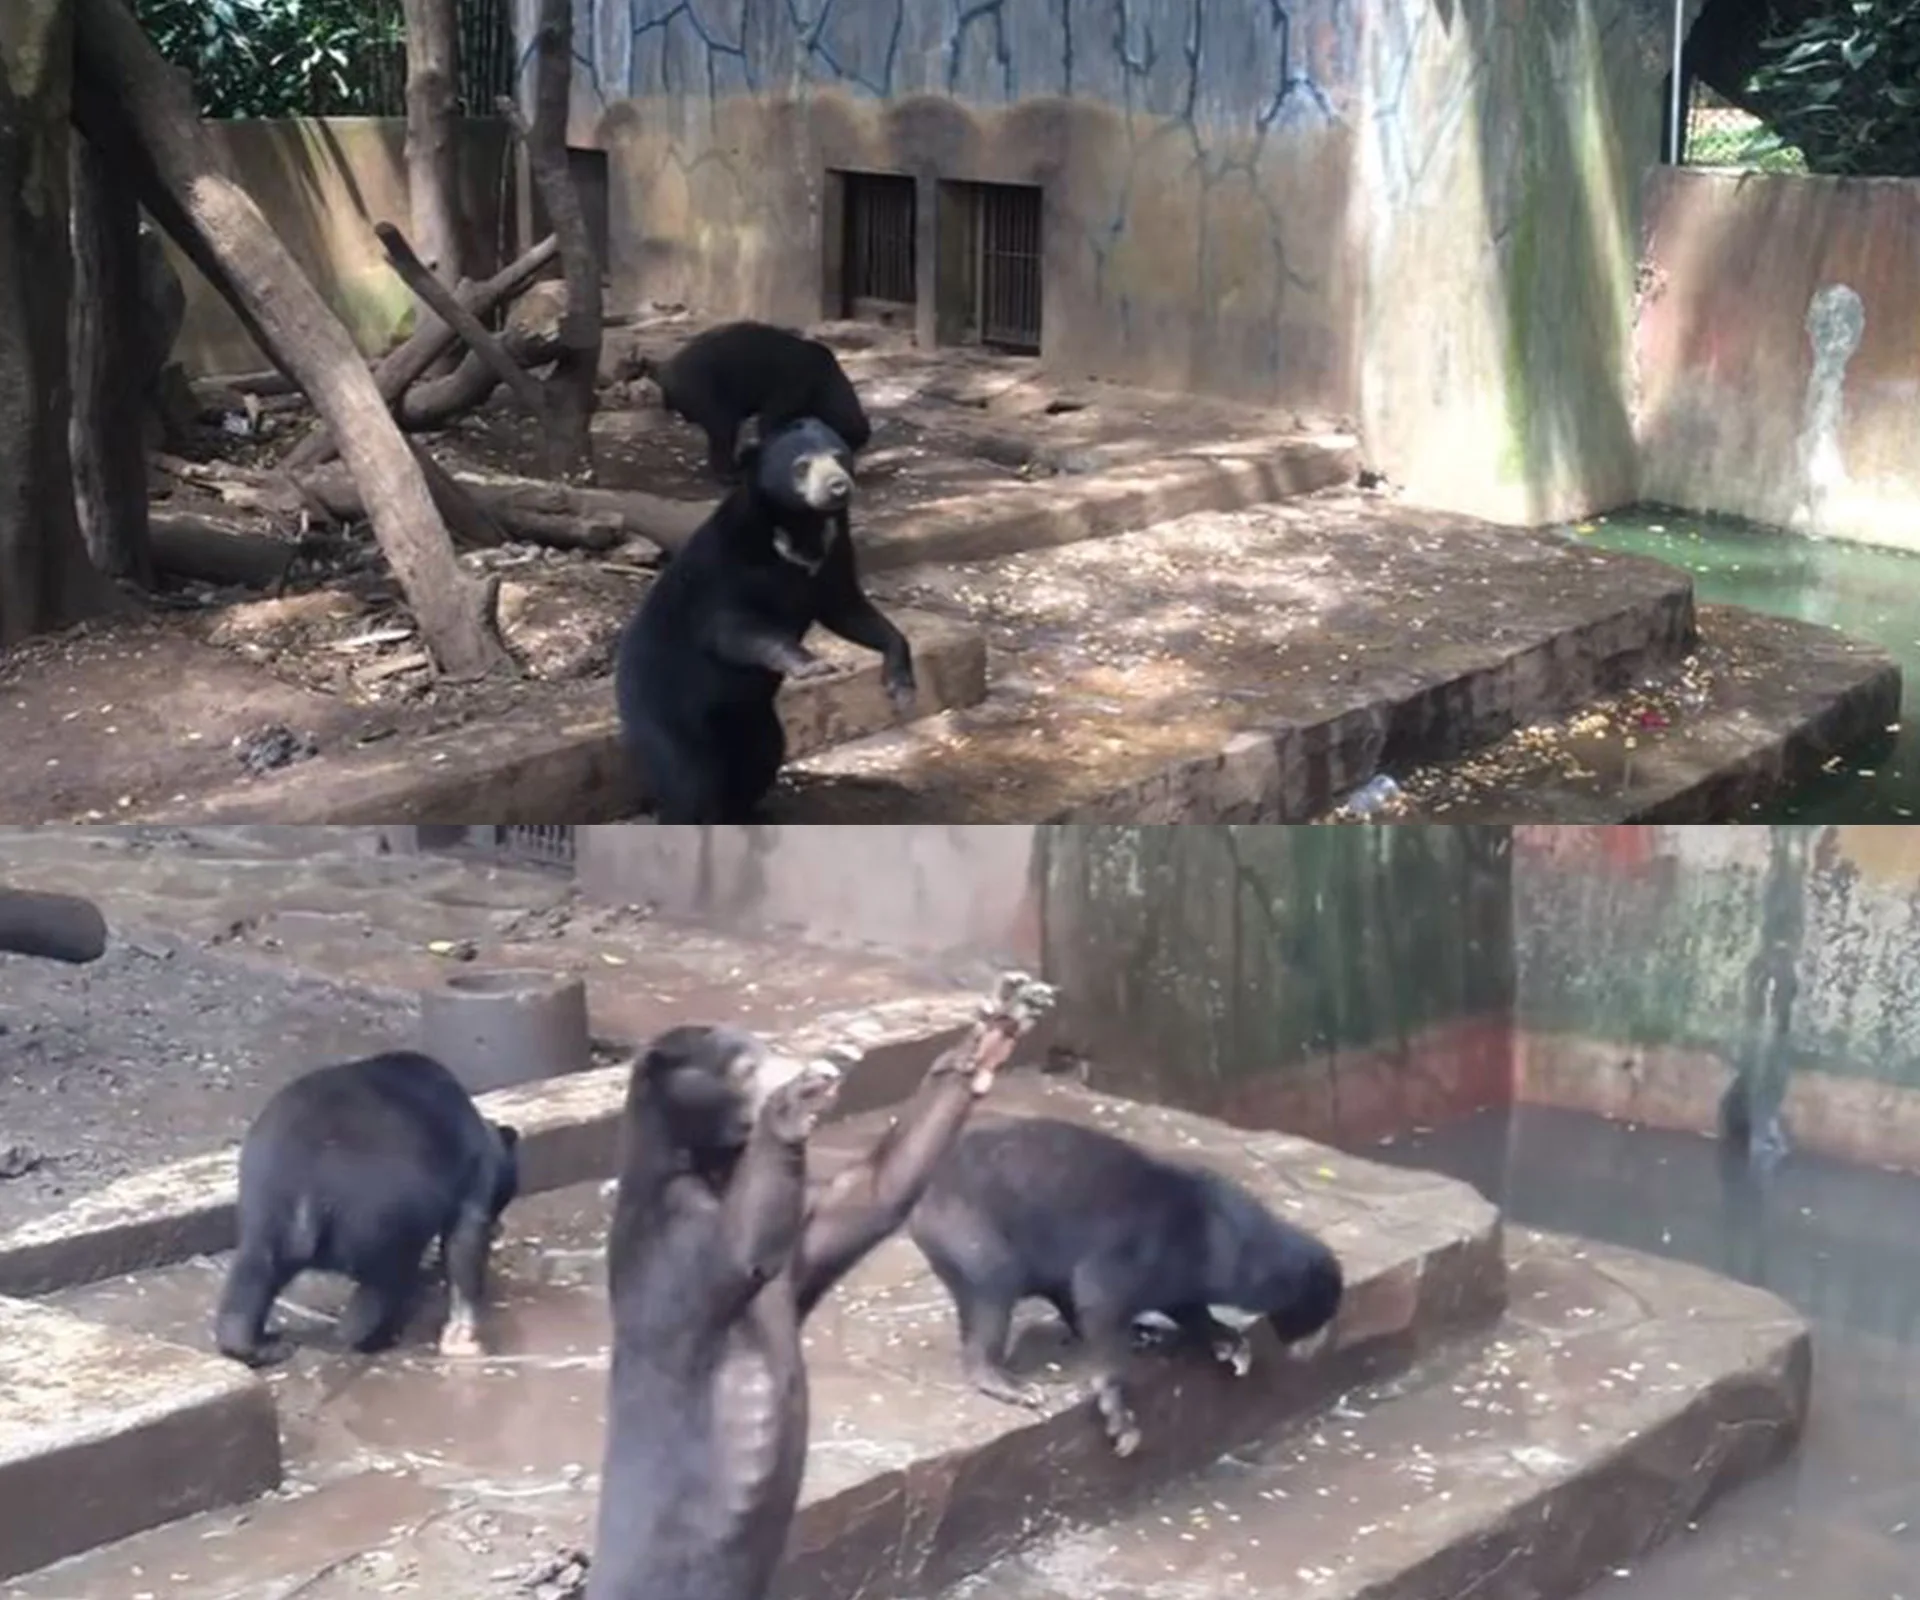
536	512
444	304
470	385
189	545
432	339
141	114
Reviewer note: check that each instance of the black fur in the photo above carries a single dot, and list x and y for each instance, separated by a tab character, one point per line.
1106	1232
719	1250
702	660
721	377
356	1168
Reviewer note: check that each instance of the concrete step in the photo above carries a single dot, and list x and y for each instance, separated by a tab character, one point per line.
105	1432
1250	666
1618	1398
415	1474
560	759
1763	706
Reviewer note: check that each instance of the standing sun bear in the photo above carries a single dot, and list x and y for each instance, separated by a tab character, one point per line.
717	1253
700	665
1059	1211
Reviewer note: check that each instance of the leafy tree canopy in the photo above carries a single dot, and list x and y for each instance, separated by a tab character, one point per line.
283	58
1841	79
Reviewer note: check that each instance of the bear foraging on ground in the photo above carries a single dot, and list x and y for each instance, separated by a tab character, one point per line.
356	1168
721	377
702	659
718	1251
1108	1233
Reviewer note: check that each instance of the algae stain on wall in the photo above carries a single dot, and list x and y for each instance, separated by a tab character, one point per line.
1768	947
1196	957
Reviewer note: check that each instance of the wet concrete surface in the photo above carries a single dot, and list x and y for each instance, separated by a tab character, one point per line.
1842	1518
410	1473
236	962
1616	1398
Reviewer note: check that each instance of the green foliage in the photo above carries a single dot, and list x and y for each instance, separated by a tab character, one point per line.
284	58
1844	85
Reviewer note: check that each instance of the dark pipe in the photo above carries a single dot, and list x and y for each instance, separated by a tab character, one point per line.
59	927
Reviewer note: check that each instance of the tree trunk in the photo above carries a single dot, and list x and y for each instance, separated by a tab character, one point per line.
433	156
46	580
109	374
139	111
571	387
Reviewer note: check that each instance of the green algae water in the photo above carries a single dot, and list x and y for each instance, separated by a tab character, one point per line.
1870	593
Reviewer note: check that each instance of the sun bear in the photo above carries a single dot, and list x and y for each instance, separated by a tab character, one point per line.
1107	1233
700	664
721	377
356	1168
718	1251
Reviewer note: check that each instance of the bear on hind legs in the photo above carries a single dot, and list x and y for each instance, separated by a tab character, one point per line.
700	664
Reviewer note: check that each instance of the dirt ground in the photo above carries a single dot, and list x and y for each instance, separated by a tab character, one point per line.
201	682
159	1050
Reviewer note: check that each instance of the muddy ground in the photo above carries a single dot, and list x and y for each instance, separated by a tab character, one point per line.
200	683
157	1051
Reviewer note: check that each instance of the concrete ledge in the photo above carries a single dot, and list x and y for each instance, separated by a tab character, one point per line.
915	1480
524	769
104	1433
1059	511
569	1131
1784	698
1619	1398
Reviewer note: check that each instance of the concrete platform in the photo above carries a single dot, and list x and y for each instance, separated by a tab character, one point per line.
411	1474
1617	1400
1250	667
559	759
1765	704
105	1432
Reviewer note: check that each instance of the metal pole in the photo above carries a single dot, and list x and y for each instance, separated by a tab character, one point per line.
1675	127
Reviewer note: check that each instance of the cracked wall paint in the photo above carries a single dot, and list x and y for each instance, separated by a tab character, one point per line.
1422	211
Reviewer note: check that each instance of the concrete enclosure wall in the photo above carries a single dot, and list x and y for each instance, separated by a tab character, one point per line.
323	183
1419	212
1779	351
1338	982
928	890
1657	964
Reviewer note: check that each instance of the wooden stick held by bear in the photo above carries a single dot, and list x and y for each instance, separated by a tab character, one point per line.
717	1253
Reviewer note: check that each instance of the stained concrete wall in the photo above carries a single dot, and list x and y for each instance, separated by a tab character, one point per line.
1421	212
322	184
1342	982
1656	964
1779	351
928	890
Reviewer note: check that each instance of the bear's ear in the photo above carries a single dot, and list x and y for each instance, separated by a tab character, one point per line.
748	462
509	1136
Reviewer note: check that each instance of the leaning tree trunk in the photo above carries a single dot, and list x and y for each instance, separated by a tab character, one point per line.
110	373
571	385
46	580
141	113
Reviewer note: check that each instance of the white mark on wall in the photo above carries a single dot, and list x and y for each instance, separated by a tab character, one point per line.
1836	319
